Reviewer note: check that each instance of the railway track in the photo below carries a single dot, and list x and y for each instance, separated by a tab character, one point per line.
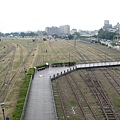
84	105
4	86
100	95
7	51
111	79
58	96
10	78
65	54
103	102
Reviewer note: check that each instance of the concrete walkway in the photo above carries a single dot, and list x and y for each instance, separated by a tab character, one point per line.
41	105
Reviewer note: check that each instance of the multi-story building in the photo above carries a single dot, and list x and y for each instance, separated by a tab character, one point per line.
47	30
52	30
107	25
64	29
106	22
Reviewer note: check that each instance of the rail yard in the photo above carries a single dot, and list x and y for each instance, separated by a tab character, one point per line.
90	94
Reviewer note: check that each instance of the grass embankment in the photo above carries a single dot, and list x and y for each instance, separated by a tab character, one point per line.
20	103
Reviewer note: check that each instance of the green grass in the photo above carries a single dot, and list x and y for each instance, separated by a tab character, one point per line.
73	103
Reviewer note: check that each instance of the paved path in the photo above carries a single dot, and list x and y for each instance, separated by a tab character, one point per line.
40	105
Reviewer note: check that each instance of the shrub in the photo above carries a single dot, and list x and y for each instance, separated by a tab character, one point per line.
20	102
65	63
40	66
31	71
57	64
44	39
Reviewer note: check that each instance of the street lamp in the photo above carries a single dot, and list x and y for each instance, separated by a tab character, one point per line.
2	106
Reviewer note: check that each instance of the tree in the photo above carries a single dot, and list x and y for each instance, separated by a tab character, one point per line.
70	37
106	34
15	34
22	34
31	34
7	34
55	36
44	33
44	39
1	34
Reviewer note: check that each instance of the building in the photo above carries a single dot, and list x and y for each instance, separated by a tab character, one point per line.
64	29
112	29
117	27
106	22
73	31
107	25
82	32
47	30
52	30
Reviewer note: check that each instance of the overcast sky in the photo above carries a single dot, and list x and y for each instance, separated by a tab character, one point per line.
33	15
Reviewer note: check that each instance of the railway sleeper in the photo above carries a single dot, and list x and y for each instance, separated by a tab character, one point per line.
90	116
91	86
117	87
109	116
110	113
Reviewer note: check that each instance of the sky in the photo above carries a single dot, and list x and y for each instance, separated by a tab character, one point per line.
34	15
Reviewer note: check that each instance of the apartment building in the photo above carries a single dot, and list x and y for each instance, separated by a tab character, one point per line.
64	29
52	30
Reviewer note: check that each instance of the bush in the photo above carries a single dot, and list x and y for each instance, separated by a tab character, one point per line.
40	66
44	39
20	102
65	63
57	64
69	63
31	71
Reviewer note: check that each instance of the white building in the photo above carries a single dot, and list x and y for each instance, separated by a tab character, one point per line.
64	29
73	31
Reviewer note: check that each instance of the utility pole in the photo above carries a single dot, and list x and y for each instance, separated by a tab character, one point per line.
105	56
69	59
43	59
75	40
75	44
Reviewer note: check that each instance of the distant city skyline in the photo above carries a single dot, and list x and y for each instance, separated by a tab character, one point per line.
43	29
33	15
